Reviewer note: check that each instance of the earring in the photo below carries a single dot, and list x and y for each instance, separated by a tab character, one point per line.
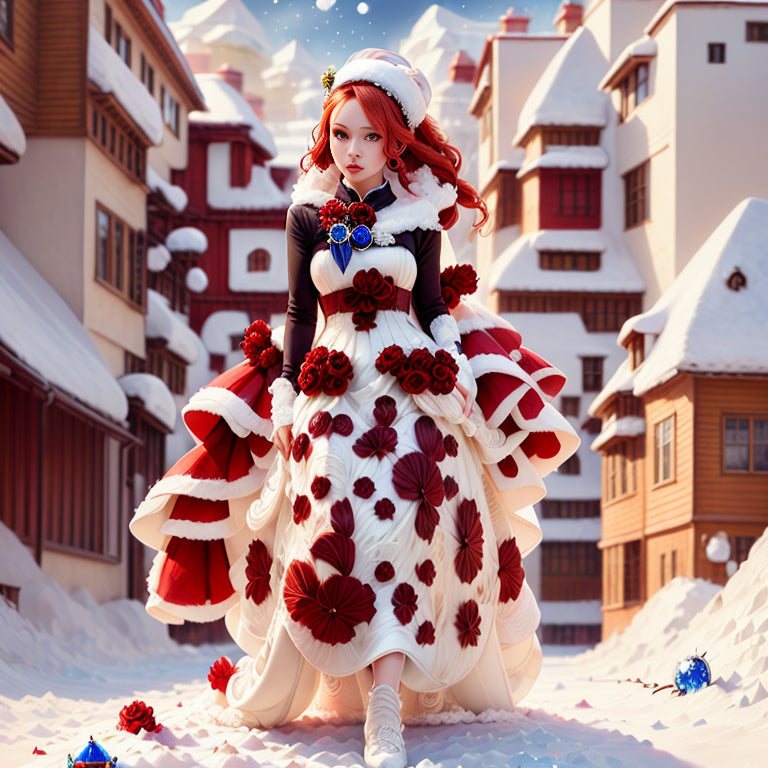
395	163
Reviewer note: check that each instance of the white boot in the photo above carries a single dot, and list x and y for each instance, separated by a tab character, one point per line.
384	745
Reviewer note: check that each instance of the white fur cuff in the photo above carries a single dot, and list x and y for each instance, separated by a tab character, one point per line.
283	397
445	331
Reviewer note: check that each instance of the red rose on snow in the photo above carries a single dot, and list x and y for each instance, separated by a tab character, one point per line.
468	623
511	571
377	441
364	487
301	509
320	487
390	360
342	425
457	281
310	379
320	424
385	410
404	599
332	213
469	532
384	571
426	634
384	509
257	572
362	213
269	357
415	382
301	447
425	572
137	715
220	672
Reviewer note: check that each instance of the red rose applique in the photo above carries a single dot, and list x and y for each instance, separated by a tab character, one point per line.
257	345
456	281
258	572
137	715
469	532
320	424
451	445
362	213
384	509
320	487
415	382
425	572
370	292
332	213
301	509
468	623
390	360
330	609
220	672
404	599
364	487
301	447
377	441
324	371
385	410
425	635
342	519
511	571
335	549
443	372
311	379
384	571
342	425
429	438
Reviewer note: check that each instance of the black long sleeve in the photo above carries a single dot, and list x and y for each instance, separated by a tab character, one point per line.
427	298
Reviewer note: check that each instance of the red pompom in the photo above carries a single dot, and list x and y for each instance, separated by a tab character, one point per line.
332	213
137	715
220	672
425	572
457	281
301	509
511	571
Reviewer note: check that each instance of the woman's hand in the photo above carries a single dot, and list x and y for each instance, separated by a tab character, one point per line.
284	440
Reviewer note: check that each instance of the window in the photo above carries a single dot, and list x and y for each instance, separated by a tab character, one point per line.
745	444
572	261
118	145
636	196
757	31
259	260
673	564
578	194
571	634
570	510
120	256
664	453
663	569
6	21
170	110
591	374
637	351
571	137
633	89
166	365
716	53
571	466
741	547
570	558
631	571
123	45
569	406
108	24
234	341
147	75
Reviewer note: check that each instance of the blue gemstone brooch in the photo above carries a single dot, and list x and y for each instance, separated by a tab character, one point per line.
348	227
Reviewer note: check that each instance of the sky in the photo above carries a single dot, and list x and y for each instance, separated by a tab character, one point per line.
345	26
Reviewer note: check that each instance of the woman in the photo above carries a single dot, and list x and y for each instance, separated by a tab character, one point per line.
362	521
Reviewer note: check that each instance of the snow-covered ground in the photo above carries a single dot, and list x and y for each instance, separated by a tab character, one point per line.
67	667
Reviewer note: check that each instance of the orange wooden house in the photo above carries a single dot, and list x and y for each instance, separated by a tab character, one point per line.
684	438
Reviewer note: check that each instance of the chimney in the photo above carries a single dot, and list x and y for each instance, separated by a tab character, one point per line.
198	62
514	24
231	76
462	68
256	103
568	18
159	8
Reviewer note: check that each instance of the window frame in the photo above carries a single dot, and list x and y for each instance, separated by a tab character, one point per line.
589	377
712	56
570	261
6	33
636	196
123	41
757	32
252	258
751	419
659	444
578	195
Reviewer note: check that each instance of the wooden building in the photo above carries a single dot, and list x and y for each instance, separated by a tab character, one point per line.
684	440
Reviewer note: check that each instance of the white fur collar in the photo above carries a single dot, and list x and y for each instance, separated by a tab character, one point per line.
417	208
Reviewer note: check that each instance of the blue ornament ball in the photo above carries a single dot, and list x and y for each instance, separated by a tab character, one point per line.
339	233
692	674
361	237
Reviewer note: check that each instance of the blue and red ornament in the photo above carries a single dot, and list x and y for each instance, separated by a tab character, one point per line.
348	227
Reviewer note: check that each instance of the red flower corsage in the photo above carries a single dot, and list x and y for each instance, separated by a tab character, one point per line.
348	227
220	672
457	281
420	370
324	371
258	347
137	715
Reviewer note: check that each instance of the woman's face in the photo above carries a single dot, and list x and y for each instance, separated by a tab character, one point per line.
356	148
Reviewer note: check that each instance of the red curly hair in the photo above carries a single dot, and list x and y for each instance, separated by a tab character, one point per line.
427	145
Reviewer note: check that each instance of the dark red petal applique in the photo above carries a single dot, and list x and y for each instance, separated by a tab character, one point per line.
416	476
301	509
377	441
364	487
384	509
257	572
342	425
511	571
300	590
427	518
451	445
468	623
336	550
320	487
384	571
429	438
469	532
450	486
301	447
404	600
320	424
343	602
425	634
342	519
385	410
425	572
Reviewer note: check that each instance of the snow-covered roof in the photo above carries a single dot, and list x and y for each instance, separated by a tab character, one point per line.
163	323
517	268
158	258
222	22
292	62
42	331
512	162
11	133
175	196
261	193
708	327
644	47
567	157
187	239
621	381
669	4
627	426
153	392
228	107
566	93
111	75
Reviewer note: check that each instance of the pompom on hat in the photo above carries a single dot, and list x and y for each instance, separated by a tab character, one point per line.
394	75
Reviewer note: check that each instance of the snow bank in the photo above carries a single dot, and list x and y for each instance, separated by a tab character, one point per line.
11	133
187	239
628	426
261	193
163	323
110	74
567	157
175	196
643	47
153	392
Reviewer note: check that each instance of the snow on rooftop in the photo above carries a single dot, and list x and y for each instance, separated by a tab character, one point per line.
224	22
154	393
111	75
567	157
11	133
710	328
292	63
261	193
187	239
158	258
513	161
39	328
227	106
517	267
668	4
163	323
627	426
642	47
623	380
566	93
175	196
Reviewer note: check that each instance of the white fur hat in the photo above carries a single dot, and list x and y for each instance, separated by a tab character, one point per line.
394	75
